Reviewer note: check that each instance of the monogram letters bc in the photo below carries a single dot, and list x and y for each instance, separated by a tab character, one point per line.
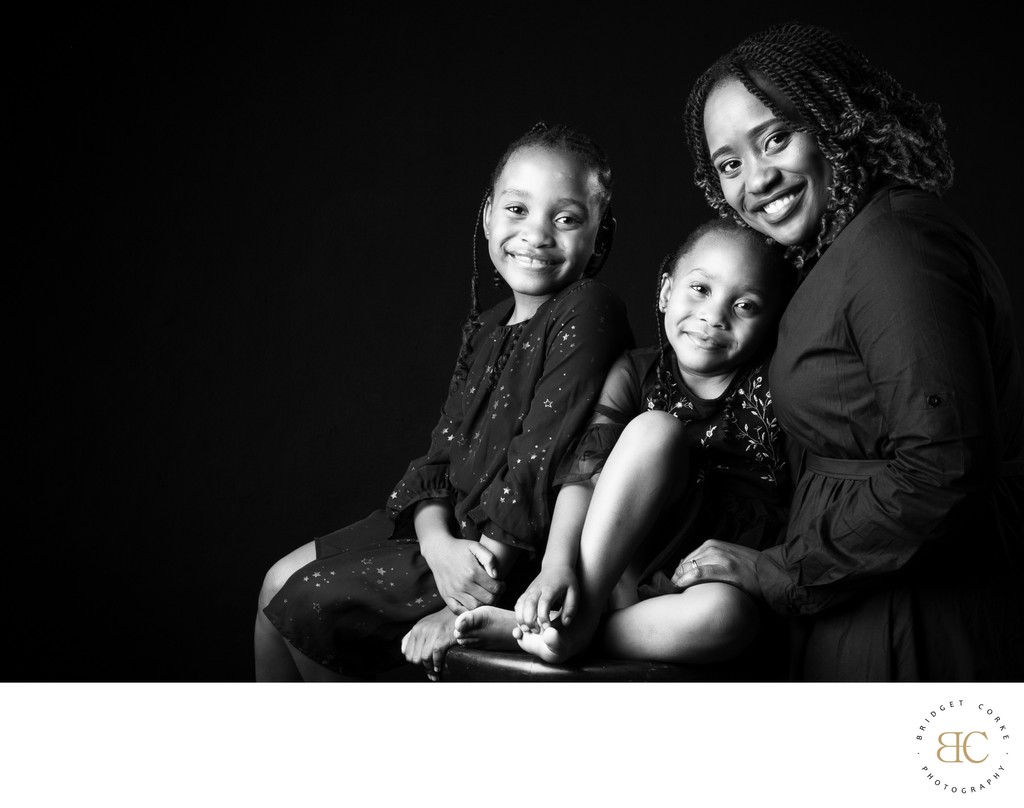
961	747
965	747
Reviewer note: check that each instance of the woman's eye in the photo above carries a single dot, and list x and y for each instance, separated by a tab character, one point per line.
776	140
728	166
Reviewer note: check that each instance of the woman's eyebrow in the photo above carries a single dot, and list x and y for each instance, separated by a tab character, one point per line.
752	134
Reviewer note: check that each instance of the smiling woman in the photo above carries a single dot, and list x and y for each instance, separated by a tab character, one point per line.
897	372
773	175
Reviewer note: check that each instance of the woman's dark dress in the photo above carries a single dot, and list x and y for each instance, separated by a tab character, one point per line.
739	486
529	392
897	372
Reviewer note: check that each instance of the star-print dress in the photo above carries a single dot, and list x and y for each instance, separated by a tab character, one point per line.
739	483
503	432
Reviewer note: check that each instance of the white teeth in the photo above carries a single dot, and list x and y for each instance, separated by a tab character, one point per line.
527	261
778	204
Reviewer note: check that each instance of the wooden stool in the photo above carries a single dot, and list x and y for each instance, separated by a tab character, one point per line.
473	665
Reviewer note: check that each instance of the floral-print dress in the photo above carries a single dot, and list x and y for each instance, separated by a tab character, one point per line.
739	483
493	455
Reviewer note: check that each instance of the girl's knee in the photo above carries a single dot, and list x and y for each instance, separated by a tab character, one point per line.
278	574
730	613
657	431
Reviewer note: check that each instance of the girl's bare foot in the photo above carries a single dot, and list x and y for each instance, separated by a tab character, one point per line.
486	627
557	643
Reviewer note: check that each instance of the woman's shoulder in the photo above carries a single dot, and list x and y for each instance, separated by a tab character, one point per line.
899	231
901	209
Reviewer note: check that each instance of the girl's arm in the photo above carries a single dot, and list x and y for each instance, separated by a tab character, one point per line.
467	573
586	331
556	586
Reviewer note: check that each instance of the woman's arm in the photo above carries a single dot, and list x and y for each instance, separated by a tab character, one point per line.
917	320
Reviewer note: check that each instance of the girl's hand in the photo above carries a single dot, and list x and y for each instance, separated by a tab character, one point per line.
720	561
429	640
555	588
466	573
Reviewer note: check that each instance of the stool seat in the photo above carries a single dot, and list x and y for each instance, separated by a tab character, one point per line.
475	665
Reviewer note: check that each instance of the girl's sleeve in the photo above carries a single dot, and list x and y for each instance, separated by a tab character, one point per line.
588	330
618	403
915	315
427	476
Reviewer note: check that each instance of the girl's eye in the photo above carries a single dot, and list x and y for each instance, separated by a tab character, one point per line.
568	219
699	288
517	210
748	308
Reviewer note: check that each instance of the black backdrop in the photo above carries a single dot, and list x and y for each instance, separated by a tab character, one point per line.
241	256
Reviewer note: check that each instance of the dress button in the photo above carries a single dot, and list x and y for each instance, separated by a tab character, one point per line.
934	400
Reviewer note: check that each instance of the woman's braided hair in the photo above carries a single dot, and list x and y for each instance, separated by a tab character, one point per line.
563	139
867	126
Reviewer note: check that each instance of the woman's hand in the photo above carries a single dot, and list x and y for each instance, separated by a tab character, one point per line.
555	588
429	640
720	561
466	573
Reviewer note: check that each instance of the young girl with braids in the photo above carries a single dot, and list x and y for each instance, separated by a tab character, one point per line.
897	371
683	445
466	522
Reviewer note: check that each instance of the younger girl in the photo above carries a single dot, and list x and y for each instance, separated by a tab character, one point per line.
697	453
355	602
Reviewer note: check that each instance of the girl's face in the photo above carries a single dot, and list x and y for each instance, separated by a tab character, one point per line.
774	177
720	305
541	223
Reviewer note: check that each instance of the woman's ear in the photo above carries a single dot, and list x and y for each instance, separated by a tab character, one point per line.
666	291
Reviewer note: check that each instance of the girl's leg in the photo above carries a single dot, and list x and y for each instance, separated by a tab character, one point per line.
276	660
645	474
706	623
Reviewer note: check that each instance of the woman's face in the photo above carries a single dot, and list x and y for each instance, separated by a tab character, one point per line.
773	176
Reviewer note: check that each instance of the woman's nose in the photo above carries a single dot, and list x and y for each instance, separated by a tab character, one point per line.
763	174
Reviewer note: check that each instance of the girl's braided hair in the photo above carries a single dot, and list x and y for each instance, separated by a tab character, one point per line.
867	126
563	139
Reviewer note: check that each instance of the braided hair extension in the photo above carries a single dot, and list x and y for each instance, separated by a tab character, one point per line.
563	139
767	252
866	124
